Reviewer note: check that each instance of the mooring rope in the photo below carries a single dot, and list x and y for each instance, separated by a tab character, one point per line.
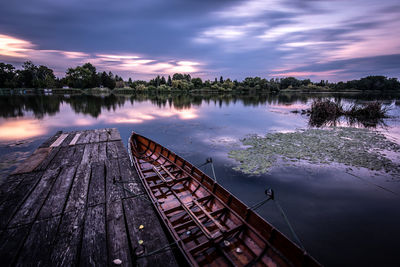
289	224
209	161
259	204
376	185
271	196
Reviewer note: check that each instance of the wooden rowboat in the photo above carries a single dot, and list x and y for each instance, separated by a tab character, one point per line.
209	224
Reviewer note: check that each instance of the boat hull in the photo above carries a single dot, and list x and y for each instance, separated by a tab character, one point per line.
209	224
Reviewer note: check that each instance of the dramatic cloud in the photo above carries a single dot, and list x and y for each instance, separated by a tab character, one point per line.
207	38
18	50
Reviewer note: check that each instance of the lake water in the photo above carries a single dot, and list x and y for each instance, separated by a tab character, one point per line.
341	218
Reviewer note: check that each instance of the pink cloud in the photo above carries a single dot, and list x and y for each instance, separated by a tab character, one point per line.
306	74
19	50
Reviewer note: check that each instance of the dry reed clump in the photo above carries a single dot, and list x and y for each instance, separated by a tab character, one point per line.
368	111
324	112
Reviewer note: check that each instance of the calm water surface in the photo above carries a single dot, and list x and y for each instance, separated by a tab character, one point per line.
341	219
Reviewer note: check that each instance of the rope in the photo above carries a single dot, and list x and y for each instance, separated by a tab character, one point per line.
205	163
288	223
212	167
209	160
371	183
259	204
271	195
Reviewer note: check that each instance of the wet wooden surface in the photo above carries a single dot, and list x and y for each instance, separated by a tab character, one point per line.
78	201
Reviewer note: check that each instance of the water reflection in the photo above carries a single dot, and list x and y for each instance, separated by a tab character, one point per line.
17	129
41	105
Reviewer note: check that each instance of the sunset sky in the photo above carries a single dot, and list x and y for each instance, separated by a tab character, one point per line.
334	40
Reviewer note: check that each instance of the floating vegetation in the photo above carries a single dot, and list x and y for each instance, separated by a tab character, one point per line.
327	112
355	147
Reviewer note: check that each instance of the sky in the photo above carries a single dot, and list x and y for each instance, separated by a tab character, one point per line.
318	39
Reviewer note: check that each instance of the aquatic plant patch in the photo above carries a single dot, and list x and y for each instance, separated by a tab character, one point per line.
355	147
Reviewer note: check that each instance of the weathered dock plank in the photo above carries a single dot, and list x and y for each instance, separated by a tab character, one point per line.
13	199
66	247
11	241
90	153
96	194
103	135
59	140
95	137
51	140
79	191
84	137
118	246
43	165
33	161
94	241
56	200
75	139
78	201
114	191
38	245
33	203
113	135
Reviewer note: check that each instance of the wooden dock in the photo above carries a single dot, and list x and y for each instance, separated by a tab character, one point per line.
77	201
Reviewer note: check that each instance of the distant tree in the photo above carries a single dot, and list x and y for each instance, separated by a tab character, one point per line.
78	77
221	80
108	80
207	84
83	76
321	83
197	83
130	83
7	75
93	80
164	87
136	83
228	84
140	87
27	76
248	82
158	81
178	76
169	82
306	82
181	85
187	77
45	77
163	80
290	82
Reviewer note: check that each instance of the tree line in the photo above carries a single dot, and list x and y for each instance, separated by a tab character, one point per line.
86	76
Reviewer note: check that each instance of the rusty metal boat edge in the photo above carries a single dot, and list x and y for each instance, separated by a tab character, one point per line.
209	224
